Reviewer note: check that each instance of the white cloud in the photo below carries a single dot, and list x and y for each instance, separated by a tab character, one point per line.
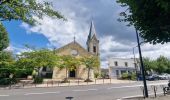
118	40
17	49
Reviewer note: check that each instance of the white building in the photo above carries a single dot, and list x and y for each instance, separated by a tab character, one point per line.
118	66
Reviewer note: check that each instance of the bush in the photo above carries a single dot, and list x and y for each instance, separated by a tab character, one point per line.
125	76
131	76
96	75
7	81
23	73
38	80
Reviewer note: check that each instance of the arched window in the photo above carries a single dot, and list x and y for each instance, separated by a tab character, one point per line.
94	48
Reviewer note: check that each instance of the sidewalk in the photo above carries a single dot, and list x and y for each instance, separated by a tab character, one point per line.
167	97
56	83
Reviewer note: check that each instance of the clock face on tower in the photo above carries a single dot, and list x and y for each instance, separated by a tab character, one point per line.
74	52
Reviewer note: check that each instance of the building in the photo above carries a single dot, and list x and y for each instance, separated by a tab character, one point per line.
118	66
75	49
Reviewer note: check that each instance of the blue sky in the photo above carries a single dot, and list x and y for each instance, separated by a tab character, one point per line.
116	39
19	36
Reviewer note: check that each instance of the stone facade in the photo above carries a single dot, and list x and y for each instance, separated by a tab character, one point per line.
75	49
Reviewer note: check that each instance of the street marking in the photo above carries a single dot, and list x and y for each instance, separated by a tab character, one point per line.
92	89
42	93
136	86
4	95
79	90
123	87
85	90
132	96
138	96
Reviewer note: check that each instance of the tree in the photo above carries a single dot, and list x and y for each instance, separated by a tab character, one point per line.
4	41
6	59
150	17
38	59
150	65
162	64
69	63
6	64
91	62
24	10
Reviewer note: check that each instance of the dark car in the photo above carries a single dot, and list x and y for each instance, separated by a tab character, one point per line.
152	77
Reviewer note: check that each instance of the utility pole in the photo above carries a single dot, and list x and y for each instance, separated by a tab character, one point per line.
142	66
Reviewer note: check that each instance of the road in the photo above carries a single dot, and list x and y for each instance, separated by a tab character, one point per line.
90	92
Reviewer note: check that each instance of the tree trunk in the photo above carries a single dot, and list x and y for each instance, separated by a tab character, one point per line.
88	76
66	78
66	73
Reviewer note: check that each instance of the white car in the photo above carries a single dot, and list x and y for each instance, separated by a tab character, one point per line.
164	76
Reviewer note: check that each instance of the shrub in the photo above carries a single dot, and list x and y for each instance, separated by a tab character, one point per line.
125	76
131	76
38	80
23	73
96	75
7	81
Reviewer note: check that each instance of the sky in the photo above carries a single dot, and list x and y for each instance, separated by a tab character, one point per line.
116	39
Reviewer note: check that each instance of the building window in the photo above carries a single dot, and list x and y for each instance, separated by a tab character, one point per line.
44	69
116	64
94	48
126	64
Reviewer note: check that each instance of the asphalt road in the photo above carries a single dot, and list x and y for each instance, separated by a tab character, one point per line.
90	92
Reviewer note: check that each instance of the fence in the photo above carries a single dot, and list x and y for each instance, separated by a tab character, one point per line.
71	82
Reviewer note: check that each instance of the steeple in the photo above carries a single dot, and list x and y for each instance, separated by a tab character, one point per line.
92	31
92	41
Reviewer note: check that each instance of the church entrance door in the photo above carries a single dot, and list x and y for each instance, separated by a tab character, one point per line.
72	74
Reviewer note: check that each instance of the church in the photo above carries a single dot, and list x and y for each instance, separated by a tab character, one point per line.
75	49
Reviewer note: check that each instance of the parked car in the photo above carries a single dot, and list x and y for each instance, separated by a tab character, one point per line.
152	77
164	76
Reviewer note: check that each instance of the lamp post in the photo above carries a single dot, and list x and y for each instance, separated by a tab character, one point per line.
142	66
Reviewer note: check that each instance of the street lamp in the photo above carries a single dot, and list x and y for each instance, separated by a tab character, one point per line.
142	66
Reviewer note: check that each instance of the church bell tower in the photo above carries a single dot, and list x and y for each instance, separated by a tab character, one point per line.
92	41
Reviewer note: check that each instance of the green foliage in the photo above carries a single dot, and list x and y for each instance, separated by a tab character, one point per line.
125	76
96	74
129	76
6	59
149	64
4	41
22	73
37	59
25	10
7	81
38	80
133	76
69	63
150	17
6	64
91	62
160	65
